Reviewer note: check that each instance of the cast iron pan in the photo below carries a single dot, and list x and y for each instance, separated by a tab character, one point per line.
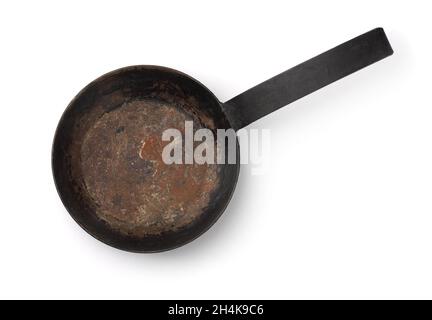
106	155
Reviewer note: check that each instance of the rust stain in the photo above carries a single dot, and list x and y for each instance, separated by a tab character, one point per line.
151	148
135	192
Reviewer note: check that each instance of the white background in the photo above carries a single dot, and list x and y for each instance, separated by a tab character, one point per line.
344	211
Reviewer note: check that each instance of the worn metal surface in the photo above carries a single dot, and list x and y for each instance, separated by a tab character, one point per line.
107	161
132	188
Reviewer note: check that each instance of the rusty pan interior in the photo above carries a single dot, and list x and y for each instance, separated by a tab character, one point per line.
108	168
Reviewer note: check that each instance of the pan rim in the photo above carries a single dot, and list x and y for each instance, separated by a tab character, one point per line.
113	243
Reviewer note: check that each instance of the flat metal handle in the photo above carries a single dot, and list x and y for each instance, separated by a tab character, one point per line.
307	77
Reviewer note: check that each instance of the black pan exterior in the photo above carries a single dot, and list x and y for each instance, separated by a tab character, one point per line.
110	91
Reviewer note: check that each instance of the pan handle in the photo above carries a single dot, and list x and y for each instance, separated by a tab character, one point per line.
307	77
